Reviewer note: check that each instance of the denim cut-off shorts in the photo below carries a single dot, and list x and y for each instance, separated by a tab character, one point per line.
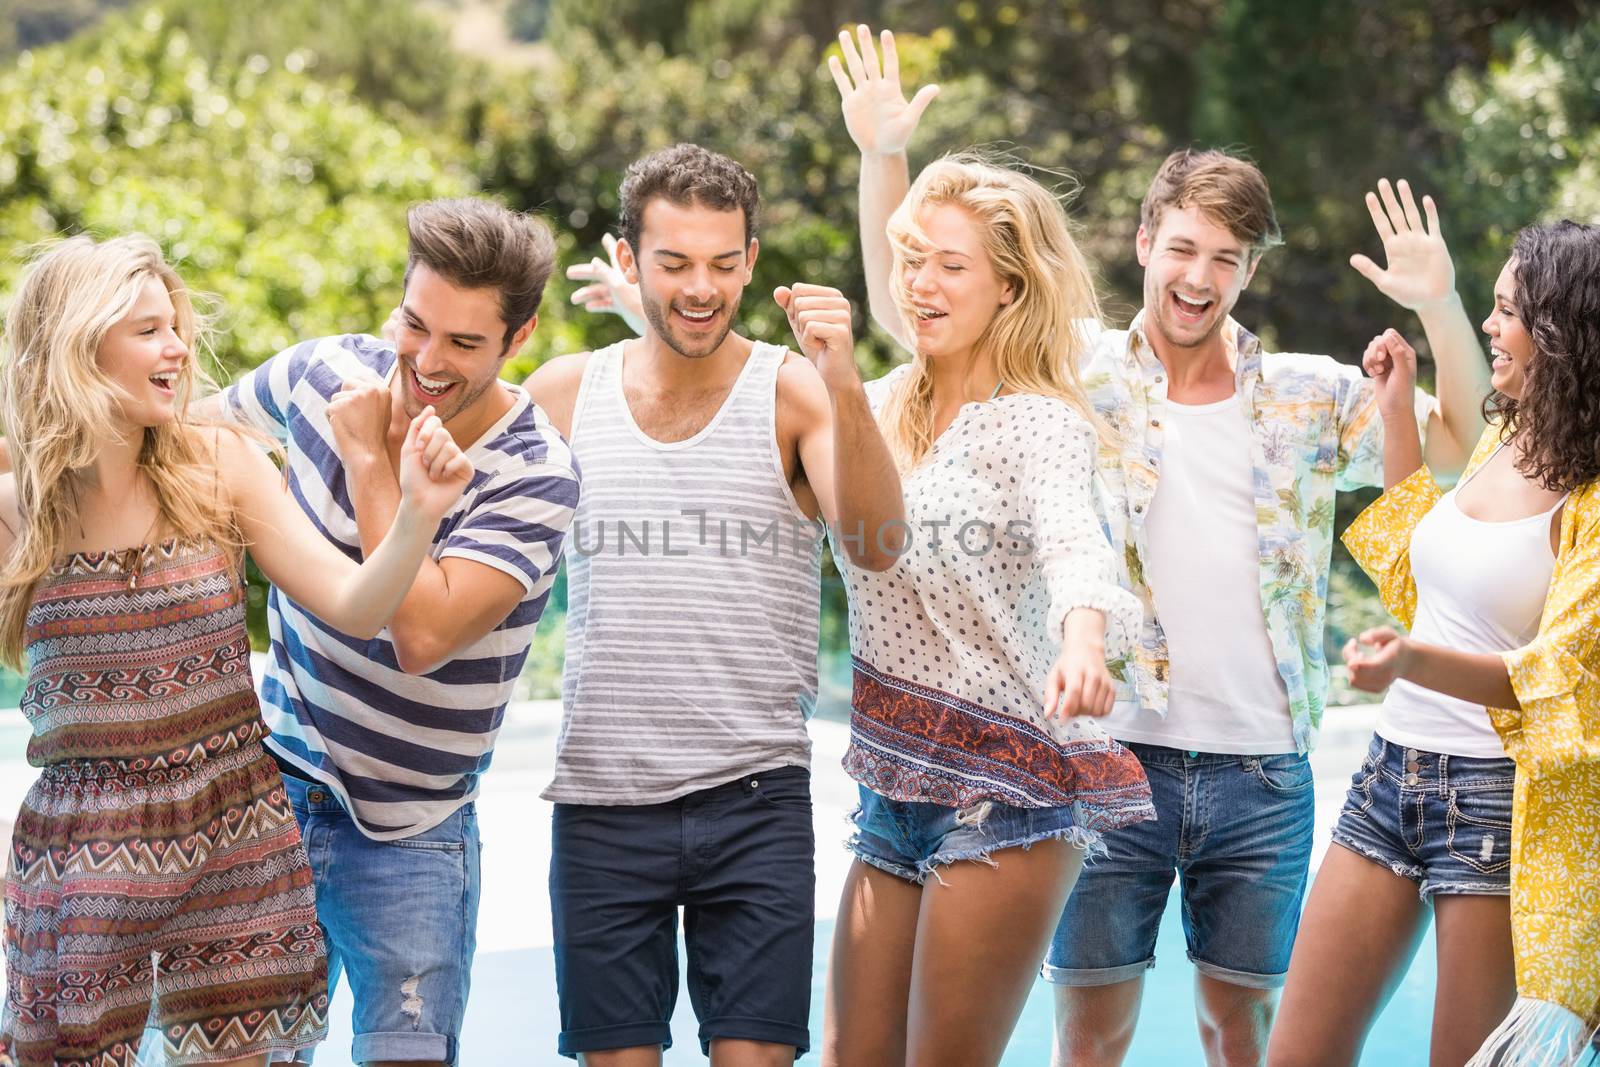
911	839
1442	821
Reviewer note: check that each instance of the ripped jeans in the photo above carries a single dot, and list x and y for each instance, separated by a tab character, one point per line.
401	919
910	840
1442	821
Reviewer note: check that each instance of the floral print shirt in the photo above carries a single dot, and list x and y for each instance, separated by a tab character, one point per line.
1316	429
1554	736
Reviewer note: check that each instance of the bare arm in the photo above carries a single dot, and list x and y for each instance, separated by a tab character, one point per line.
844	456
1421	276
880	121
358	599
453	602
1478	677
1392	365
554	386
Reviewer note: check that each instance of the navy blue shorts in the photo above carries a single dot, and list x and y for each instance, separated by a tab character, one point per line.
740	859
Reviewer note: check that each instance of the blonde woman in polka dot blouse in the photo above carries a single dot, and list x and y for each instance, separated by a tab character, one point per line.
980	658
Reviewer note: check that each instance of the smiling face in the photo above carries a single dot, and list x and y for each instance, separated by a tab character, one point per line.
950	282
1509	341
1194	271
692	265
451	345
143	354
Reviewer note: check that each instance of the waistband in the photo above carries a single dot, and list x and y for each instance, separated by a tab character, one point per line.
107	775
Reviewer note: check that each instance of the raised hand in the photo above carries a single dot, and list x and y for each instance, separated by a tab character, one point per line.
433	472
820	319
1391	363
1419	271
360	414
1376	659
876	113
609	290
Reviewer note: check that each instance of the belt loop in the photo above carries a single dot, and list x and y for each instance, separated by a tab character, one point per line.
1444	775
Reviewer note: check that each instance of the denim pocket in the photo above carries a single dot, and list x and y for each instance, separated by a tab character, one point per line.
430	846
1478	828
1286	774
784	789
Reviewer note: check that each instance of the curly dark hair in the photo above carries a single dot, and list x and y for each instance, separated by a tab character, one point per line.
1556	421
686	175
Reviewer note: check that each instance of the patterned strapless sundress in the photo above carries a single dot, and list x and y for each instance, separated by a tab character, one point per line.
157	858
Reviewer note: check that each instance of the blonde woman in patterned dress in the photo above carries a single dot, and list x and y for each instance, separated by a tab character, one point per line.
1499	581
157	858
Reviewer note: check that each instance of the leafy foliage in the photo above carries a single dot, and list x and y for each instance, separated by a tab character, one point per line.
273	148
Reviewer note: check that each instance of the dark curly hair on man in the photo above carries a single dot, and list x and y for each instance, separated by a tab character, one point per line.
687	175
1556	421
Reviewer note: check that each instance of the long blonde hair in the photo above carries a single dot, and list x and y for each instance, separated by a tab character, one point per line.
57	402
1038	339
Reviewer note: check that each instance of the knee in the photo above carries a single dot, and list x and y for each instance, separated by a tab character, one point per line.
1240	1040
1082	1042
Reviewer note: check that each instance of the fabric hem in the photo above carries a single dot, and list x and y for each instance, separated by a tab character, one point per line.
753	1028
1394	867
1247	979
402	1046
572	1043
1094	976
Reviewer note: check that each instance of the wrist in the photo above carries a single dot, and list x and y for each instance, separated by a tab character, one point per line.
1444	305
1405	658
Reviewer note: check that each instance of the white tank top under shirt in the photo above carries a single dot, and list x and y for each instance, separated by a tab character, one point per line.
1204	569
692	599
1481	587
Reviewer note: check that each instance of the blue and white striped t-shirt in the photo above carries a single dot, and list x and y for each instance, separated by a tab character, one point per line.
402	751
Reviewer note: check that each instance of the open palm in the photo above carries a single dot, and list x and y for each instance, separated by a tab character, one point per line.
876	112
1419	270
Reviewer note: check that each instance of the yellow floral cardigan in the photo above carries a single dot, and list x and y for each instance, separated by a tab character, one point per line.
1555	740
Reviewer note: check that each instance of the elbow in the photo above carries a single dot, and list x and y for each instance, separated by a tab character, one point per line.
874	561
417	655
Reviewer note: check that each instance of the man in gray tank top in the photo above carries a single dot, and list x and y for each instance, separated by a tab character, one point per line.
681	769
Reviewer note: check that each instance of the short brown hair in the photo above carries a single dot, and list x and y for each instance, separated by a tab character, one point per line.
477	244
687	175
1230	191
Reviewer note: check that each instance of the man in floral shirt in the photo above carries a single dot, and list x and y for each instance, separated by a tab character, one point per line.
1222	481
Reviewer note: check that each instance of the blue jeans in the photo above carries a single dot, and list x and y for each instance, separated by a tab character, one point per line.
1236	831
401	920
911	840
1442	821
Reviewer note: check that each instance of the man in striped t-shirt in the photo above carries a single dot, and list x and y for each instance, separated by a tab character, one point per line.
681	773
382	741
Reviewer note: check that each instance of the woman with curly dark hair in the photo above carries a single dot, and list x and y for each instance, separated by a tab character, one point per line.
1481	792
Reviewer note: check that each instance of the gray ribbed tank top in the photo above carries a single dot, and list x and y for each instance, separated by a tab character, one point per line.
692	599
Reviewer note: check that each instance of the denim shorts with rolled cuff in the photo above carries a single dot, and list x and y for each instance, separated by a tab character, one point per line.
1236	833
401	921
1442	821
911	839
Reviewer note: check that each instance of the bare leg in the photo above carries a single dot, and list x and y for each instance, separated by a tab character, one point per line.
737	1052
869	976
1095	1024
642	1056
1477	974
1234	1021
981	936
1361	927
